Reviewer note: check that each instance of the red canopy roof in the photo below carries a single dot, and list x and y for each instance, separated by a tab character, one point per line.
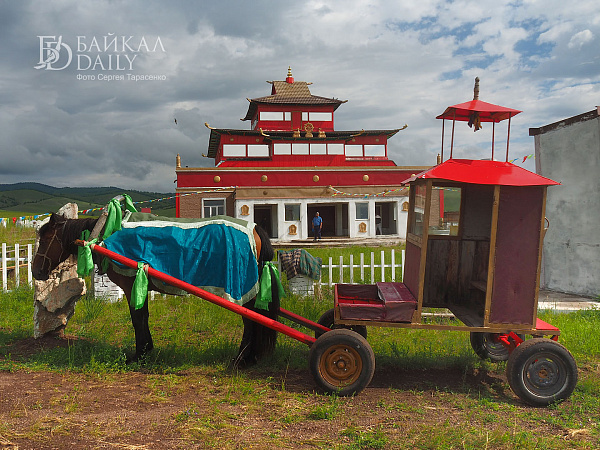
487	112
484	172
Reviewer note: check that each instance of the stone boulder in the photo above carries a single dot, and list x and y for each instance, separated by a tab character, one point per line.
55	298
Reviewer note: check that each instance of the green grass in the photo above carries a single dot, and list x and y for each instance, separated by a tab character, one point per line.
438	394
431	411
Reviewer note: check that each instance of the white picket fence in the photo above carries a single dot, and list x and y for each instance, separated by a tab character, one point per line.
20	256
389	265
394	267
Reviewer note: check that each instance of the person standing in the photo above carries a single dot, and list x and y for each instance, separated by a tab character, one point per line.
317	223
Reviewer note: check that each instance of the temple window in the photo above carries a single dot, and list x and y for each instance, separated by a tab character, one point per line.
362	211
213	207
292	212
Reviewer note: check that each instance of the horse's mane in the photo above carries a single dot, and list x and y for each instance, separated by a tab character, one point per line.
72	229
266	250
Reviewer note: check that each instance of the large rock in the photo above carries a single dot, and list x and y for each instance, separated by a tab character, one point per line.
55	298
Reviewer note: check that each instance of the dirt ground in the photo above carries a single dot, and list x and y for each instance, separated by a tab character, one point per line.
197	409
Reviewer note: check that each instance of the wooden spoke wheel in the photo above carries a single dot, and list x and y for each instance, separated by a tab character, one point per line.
342	362
541	371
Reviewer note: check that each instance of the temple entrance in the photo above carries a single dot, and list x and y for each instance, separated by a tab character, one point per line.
335	219
385	218
266	217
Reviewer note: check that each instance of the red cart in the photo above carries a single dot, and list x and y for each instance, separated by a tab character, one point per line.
474	246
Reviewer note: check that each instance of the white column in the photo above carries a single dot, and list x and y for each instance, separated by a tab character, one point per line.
339	226
282	231
304	221
352	225
371	222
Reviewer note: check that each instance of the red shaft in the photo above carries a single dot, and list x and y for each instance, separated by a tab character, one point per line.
245	312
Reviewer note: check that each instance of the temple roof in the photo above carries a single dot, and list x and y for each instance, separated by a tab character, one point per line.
290	92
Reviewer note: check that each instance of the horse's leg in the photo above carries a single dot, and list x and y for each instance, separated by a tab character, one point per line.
143	338
139	317
258	340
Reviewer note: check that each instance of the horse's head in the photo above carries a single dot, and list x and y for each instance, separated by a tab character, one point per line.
51	248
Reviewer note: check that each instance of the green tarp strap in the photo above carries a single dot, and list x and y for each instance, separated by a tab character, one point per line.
139	292
85	262
115	215
264	296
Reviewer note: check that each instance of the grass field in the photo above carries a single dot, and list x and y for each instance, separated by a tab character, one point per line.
430	391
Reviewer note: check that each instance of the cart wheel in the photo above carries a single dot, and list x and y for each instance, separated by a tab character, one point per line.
327	320
541	371
342	362
487	346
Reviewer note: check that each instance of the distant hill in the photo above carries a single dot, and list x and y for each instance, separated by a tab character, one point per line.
37	198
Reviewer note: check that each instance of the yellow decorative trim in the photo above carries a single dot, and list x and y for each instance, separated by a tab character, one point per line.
315	178
264	178
293	230
217	179
365	177
245	210
362	227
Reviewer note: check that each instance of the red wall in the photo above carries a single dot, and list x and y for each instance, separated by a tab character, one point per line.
286	178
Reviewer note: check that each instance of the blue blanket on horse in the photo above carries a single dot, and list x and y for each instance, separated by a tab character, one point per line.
217	254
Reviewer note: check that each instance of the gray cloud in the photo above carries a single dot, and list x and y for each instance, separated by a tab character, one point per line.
395	62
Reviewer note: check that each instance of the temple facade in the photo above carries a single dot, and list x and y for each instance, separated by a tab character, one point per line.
292	163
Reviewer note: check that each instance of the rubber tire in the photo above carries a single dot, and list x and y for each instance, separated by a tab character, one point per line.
327	319
541	371
342	362
486	347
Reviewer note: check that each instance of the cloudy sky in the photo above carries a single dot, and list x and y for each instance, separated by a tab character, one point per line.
64	122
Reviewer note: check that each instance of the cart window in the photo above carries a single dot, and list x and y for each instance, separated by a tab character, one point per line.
445	211
416	225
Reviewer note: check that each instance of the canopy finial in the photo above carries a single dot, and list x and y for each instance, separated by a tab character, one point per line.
476	89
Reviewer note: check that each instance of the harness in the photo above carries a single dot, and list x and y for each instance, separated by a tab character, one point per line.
49	246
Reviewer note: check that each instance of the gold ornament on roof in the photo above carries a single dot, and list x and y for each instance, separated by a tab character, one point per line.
309	127
321	133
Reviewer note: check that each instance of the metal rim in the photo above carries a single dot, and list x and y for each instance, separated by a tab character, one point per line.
545	374
341	365
493	345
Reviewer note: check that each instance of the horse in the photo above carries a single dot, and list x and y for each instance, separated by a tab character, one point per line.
57	242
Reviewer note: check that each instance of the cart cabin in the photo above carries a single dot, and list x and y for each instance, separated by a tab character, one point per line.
474	241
